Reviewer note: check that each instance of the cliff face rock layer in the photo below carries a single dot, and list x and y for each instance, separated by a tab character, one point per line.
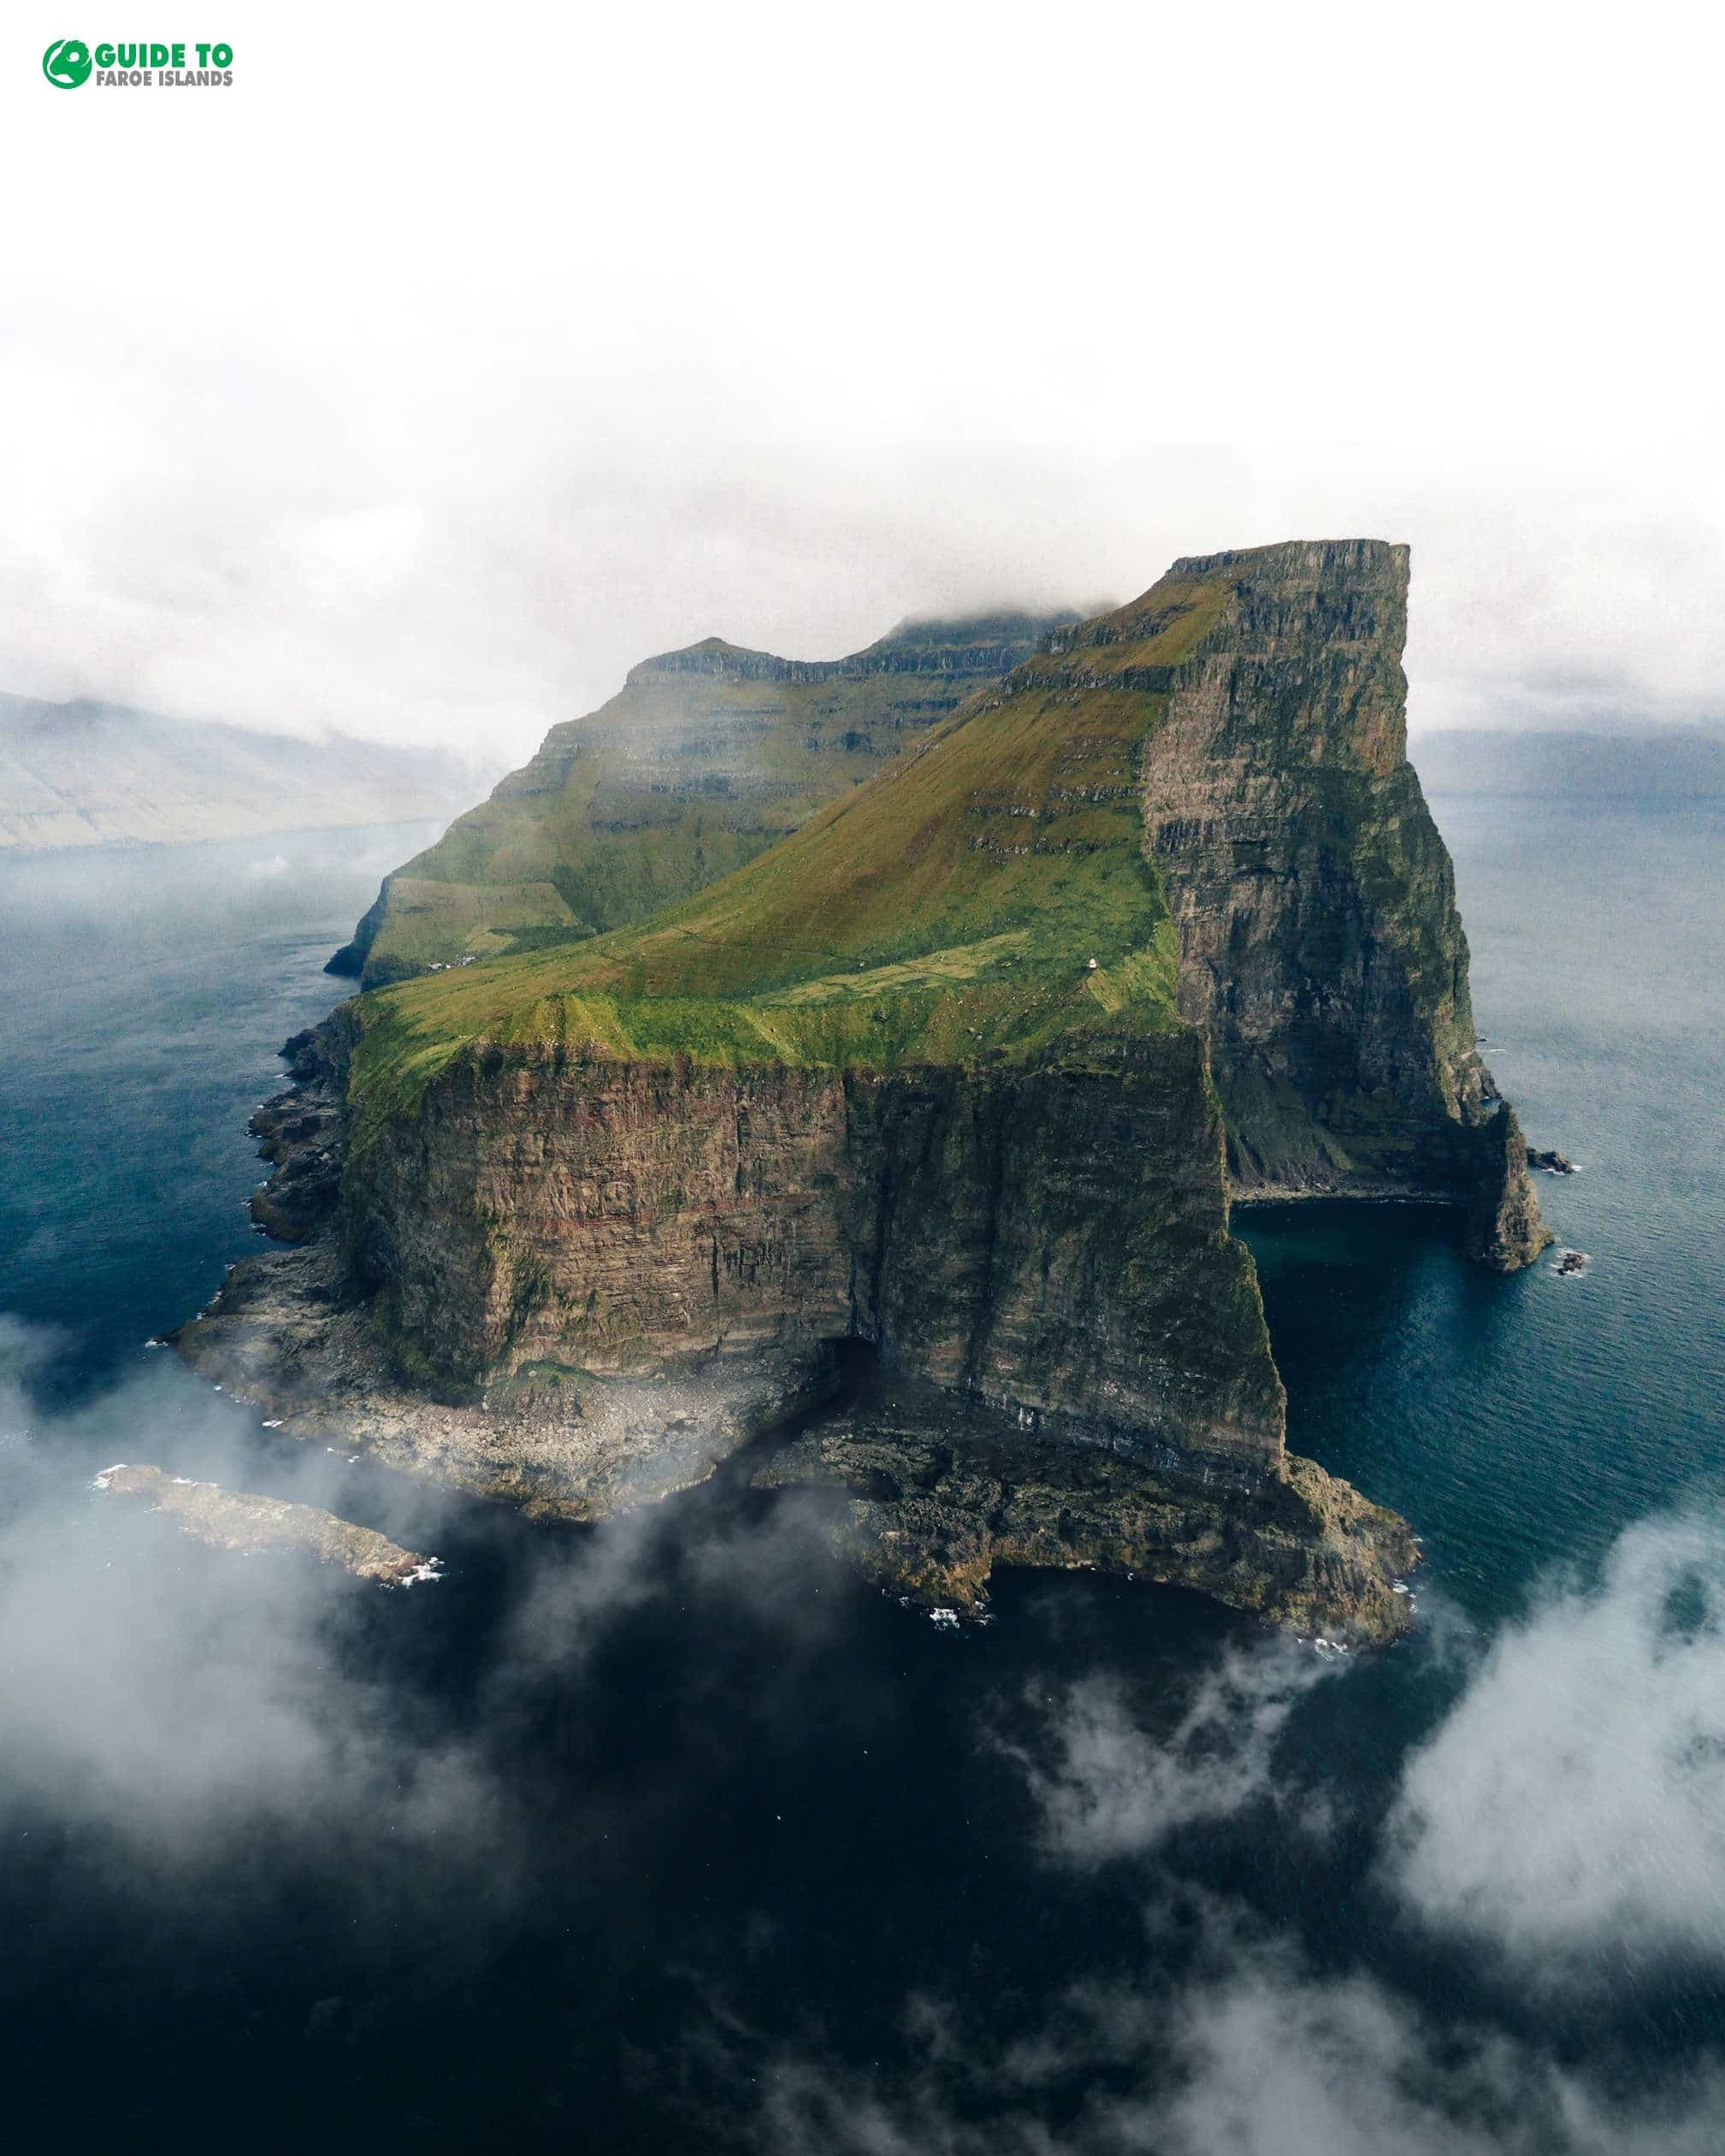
959	1069
1319	944
1050	1241
703	759
933	1507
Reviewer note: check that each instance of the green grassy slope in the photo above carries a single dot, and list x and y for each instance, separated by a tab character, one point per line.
987	894
704	760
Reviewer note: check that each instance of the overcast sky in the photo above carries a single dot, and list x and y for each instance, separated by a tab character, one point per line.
452	360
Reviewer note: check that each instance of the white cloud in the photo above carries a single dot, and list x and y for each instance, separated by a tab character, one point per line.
753	322
1276	2060
177	1704
1107	1785
1571	1808
1255	2053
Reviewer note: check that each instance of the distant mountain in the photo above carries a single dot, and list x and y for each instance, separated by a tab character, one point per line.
1677	763
90	774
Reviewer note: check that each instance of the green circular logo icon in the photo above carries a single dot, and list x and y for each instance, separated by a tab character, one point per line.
67	63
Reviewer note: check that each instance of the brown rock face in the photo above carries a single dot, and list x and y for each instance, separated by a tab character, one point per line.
934	1507
1052	1243
300	1132
1319	943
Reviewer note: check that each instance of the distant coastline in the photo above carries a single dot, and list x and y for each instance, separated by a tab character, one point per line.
84	774
1672	764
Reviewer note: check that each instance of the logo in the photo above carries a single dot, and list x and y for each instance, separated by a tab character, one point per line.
67	63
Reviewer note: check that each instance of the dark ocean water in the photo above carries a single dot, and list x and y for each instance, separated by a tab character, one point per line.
673	1836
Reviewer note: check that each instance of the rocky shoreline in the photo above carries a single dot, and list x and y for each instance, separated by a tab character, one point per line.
287	1336
935	1504
935	1499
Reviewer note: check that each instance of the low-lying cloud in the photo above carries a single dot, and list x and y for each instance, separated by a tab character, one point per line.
179	1700
1253	2051
183	1706
1571	1808
1273	2059
1107	1787
1565	1821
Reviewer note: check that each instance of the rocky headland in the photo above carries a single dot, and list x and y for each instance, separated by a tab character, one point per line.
935	1498
968	1069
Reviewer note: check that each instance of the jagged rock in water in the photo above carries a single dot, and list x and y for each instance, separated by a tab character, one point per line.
936	1503
963	1069
239	1520
1549	1162
1504	1228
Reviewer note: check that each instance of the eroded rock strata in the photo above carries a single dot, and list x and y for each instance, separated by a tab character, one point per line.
290	1336
935	1501
965	1068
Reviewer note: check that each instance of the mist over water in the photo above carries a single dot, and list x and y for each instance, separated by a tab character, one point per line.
671	1834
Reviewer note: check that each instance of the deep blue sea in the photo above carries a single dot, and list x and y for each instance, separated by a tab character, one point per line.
673	1836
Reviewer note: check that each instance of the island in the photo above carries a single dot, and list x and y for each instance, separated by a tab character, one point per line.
962	1075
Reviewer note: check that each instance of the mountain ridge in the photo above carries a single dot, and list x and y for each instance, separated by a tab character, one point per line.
706	756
